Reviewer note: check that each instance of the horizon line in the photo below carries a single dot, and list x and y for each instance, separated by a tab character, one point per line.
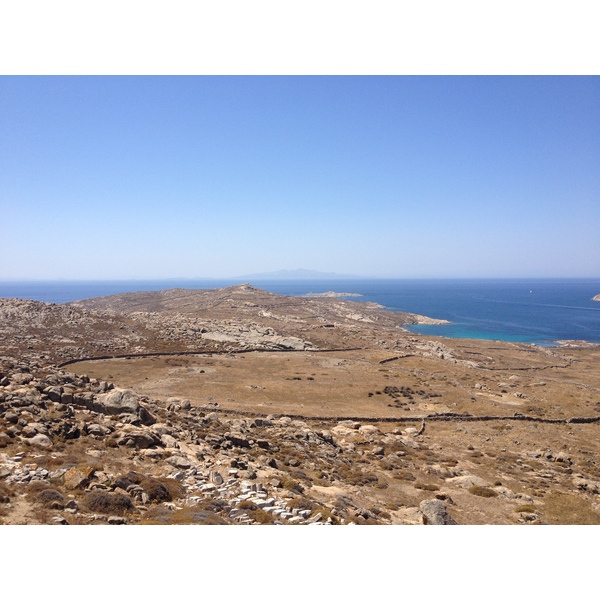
298	279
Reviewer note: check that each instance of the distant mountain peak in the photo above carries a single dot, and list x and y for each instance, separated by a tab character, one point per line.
296	274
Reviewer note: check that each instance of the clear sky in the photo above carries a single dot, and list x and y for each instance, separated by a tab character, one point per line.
394	176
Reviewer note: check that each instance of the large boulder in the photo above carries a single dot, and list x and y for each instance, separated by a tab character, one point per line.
137	437
120	402
435	513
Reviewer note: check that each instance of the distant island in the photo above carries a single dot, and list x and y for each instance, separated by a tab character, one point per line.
332	295
286	274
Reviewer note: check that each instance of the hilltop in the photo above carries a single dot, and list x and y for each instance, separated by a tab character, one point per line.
238	405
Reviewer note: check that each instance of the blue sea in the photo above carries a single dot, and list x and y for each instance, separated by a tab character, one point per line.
535	311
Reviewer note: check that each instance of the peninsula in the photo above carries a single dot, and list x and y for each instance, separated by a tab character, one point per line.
240	406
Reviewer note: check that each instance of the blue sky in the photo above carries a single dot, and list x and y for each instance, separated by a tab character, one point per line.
394	176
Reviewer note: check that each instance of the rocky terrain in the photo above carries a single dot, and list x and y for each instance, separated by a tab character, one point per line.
238	406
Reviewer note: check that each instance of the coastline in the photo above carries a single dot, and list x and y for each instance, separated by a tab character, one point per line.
423	320
538	311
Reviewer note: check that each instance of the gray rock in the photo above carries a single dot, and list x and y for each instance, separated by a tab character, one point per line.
32	429
169	441
119	402
369	430
179	462
54	393
137	437
97	430
435	512
41	440
11	417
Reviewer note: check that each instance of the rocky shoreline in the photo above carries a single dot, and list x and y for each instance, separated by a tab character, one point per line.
332	295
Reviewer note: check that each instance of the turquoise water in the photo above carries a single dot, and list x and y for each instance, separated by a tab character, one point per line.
535	311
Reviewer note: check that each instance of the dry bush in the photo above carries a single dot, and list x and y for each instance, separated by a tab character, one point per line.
174	488
5	494
292	486
108	503
429	487
405	476
49	496
262	517
302	504
529	508
484	492
157	491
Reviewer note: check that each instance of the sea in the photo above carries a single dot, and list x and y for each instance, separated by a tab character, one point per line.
532	311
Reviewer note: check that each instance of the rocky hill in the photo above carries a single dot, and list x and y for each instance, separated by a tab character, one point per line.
238	406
